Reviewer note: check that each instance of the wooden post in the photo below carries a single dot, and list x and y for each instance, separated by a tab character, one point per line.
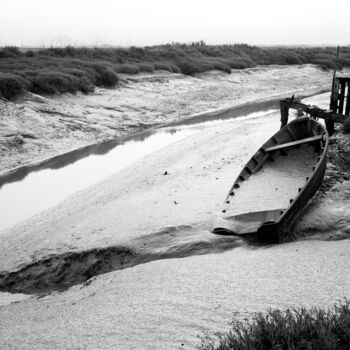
334	96
347	107
330	116
284	114
335	89
341	97
329	125
335	68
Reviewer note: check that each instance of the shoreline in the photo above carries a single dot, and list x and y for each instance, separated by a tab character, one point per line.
37	127
95	148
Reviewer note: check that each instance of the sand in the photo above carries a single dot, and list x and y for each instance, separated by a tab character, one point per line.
185	281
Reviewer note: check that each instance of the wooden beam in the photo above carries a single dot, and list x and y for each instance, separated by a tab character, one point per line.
347	107
334	96
313	111
343	79
341	98
294	143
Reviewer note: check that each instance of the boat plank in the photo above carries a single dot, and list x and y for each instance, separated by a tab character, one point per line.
294	143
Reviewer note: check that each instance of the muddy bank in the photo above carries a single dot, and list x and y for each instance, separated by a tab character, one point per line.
326	216
111	244
141	200
62	271
36	127
166	304
59	271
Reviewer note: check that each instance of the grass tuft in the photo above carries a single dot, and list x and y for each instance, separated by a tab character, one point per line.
146	67
128	68
10	52
290	329
167	67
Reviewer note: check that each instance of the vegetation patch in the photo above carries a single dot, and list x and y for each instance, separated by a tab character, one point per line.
71	69
12	85
290	329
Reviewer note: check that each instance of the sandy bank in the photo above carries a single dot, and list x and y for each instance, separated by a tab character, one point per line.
36	127
165	303
141	200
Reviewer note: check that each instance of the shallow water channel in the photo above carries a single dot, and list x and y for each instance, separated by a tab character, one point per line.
31	190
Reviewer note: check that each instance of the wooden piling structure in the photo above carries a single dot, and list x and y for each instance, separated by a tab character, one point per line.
315	112
340	99
339	106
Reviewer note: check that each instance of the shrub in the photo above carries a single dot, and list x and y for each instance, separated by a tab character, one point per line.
174	68
52	82
162	66
345	61
104	76
10	52
290	329
146	67
238	63
167	66
222	67
187	67
84	79
324	63
127	68
30	53
12	85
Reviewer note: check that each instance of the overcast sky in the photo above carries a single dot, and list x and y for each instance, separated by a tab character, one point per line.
147	22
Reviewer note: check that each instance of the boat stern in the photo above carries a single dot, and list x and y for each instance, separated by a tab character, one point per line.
262	224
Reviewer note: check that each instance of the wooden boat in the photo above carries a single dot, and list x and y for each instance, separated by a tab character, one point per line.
277	182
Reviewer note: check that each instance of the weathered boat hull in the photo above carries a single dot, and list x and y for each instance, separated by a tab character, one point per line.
276	225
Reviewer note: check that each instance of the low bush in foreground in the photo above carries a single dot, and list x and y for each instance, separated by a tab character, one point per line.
290	329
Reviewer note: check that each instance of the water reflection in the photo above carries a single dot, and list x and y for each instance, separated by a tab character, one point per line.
31	190
42	189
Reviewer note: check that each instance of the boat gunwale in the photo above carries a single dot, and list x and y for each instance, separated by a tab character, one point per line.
286	212
321	161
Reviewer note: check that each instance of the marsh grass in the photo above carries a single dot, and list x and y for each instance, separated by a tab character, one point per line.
290	329
12	85
71	69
